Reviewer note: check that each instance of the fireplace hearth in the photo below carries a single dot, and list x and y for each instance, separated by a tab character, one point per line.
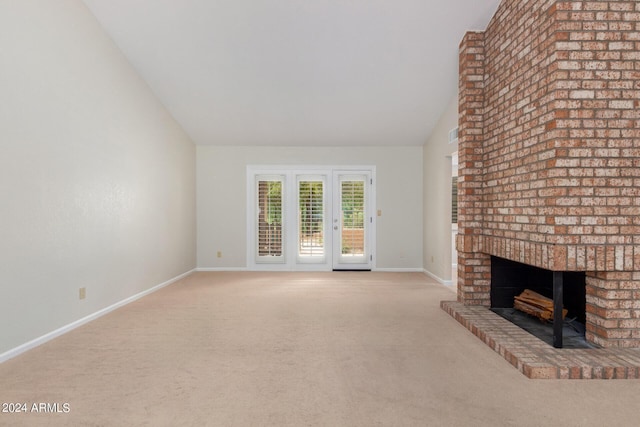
573	332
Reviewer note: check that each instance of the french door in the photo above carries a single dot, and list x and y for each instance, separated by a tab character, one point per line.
310	219
351	220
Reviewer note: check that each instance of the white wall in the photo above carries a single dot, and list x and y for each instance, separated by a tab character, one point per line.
437	195
97	180
221	195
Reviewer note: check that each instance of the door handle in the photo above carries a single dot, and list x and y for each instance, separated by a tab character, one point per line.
335	227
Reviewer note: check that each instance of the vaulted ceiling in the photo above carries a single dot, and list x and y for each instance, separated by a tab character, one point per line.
297	72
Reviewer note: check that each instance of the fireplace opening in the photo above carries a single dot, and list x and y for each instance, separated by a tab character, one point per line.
510	278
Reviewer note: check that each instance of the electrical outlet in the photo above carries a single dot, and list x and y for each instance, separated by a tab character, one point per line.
82	293
219	254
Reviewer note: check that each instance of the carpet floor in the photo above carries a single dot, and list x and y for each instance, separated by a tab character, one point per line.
293	349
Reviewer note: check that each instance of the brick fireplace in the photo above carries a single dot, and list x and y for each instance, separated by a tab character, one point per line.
549	154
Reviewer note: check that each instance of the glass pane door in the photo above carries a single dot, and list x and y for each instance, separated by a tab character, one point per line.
351	219
310	218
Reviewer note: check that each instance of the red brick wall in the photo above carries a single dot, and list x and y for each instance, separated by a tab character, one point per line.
552	157
474	272
598	110
613	309
519	93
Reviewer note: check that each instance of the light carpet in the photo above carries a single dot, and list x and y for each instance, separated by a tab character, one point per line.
293	349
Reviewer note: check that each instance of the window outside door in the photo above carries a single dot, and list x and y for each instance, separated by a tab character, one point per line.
311	241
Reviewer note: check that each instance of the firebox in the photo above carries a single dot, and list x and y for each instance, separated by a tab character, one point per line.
510	278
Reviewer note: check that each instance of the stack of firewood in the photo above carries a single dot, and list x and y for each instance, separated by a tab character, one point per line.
536	305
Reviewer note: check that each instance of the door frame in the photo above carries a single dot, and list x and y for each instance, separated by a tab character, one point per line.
290	172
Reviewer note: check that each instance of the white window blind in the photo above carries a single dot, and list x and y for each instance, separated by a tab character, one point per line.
454	200
270	218
311	218
353	212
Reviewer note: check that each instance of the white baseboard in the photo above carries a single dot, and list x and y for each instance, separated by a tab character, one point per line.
71	326
383	270
437	278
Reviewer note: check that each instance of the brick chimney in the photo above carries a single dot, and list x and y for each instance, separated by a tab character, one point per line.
549	153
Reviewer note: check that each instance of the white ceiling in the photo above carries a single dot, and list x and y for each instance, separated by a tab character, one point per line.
297	72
